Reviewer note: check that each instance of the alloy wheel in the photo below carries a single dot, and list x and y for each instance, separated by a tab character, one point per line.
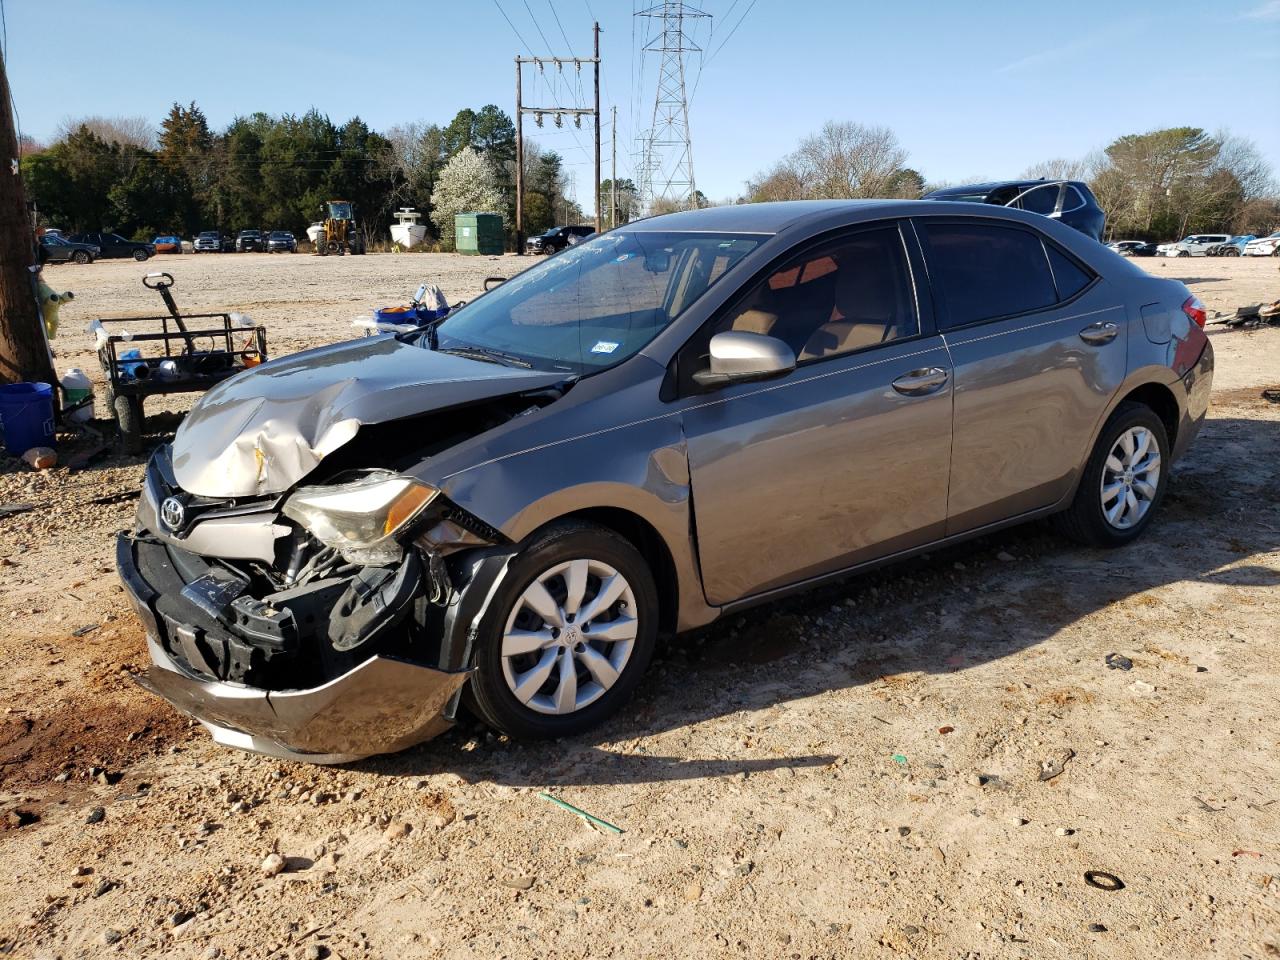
1130	477
569	636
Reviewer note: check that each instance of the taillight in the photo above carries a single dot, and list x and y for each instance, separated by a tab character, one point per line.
1194	310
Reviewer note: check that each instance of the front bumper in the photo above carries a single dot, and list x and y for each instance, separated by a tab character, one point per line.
381	705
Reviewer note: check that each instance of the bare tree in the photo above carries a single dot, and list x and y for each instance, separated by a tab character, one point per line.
847	159
132	131
842	160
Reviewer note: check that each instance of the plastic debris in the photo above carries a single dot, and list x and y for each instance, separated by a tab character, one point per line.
900	759
1115	661
40	458
590	818
1103	880
1054	767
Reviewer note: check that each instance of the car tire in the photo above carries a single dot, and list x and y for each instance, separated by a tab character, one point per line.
81	257
1126	442
600	674
1184	253
140	255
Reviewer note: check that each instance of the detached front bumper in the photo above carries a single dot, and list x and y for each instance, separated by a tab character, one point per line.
382	705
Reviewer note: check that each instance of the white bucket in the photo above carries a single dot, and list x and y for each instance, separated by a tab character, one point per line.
76	386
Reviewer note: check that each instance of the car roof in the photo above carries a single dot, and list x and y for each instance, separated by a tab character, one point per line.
769	218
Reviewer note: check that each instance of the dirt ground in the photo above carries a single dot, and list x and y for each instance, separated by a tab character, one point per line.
856	772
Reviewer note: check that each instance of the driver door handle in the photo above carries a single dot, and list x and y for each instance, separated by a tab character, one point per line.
919	383
1104	331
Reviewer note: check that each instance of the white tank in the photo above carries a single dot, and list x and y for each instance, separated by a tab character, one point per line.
76	386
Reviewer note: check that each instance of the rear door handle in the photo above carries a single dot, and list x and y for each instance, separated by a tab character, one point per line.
1104	331
918	383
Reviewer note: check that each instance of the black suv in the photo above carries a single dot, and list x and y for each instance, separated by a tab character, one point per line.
557	238
250	240
114	246
1067	200
281	241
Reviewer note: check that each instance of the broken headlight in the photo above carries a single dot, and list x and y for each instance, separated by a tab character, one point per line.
361	519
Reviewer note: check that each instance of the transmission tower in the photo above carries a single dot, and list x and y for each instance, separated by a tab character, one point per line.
666	169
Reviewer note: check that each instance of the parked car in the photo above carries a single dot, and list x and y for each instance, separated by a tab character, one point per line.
1133	248
248	241
1192	246
212	241
113	246
1268	246
1070	201
556	239
1228	248
502	502
55	248
281	241
167	244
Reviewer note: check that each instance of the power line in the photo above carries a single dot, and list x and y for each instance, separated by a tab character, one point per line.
707	60
567	45
523	42
537	26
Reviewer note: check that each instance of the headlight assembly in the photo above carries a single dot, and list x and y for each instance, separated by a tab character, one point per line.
361	519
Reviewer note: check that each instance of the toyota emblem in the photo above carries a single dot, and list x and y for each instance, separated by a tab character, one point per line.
173	513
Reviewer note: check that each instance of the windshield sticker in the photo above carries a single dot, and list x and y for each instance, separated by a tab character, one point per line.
605	346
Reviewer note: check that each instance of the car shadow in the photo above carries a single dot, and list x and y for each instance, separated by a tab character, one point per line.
953	609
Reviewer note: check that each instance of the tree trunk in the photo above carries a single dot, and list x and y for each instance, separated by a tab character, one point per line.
24	352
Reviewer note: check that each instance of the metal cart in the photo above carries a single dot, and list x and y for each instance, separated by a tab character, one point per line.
192	361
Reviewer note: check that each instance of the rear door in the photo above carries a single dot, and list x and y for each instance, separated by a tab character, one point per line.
1038	344
844	459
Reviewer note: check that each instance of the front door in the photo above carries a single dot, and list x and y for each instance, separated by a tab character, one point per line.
1038	343
844	459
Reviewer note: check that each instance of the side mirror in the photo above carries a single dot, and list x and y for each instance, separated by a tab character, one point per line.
739	356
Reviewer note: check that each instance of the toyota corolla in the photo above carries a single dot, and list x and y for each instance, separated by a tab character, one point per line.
503	511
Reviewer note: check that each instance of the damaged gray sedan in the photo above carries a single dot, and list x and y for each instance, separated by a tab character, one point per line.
667	423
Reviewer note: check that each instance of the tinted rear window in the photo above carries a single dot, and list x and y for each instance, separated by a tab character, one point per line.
1071	278
1041	200
984	271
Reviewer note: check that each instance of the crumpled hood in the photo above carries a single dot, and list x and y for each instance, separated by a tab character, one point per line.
263	430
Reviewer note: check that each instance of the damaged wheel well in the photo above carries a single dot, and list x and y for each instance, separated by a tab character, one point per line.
641	534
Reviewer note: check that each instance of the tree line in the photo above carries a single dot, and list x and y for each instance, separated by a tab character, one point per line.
1153	186
274	173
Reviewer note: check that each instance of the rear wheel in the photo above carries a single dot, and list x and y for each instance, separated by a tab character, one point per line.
1123	481
567	636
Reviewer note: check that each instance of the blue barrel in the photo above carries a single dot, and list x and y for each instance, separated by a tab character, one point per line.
26	415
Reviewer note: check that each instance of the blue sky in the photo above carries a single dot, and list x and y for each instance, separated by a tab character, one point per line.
970	89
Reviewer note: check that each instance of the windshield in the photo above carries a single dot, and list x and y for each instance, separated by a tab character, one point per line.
597	303
340	211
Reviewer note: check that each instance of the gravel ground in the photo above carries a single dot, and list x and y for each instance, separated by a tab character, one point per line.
923	762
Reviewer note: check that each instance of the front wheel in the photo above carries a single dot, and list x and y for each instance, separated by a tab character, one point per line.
81	257
1123	482
1184	253
140	255
567	636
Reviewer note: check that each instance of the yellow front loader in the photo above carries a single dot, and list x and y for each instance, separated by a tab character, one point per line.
338	231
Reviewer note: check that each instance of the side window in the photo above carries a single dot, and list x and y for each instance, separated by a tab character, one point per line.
985	271
1042	200
1072	200
843	296
1070	277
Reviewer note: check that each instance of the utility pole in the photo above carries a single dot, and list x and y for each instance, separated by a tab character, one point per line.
596	33
24	352
519	165
558	113
667	154
613	172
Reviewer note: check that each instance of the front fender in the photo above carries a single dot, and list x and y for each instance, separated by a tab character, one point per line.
641	468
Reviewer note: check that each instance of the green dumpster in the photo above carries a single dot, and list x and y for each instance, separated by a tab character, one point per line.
479	233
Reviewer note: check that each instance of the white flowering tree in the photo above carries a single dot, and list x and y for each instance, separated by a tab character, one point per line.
468	183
